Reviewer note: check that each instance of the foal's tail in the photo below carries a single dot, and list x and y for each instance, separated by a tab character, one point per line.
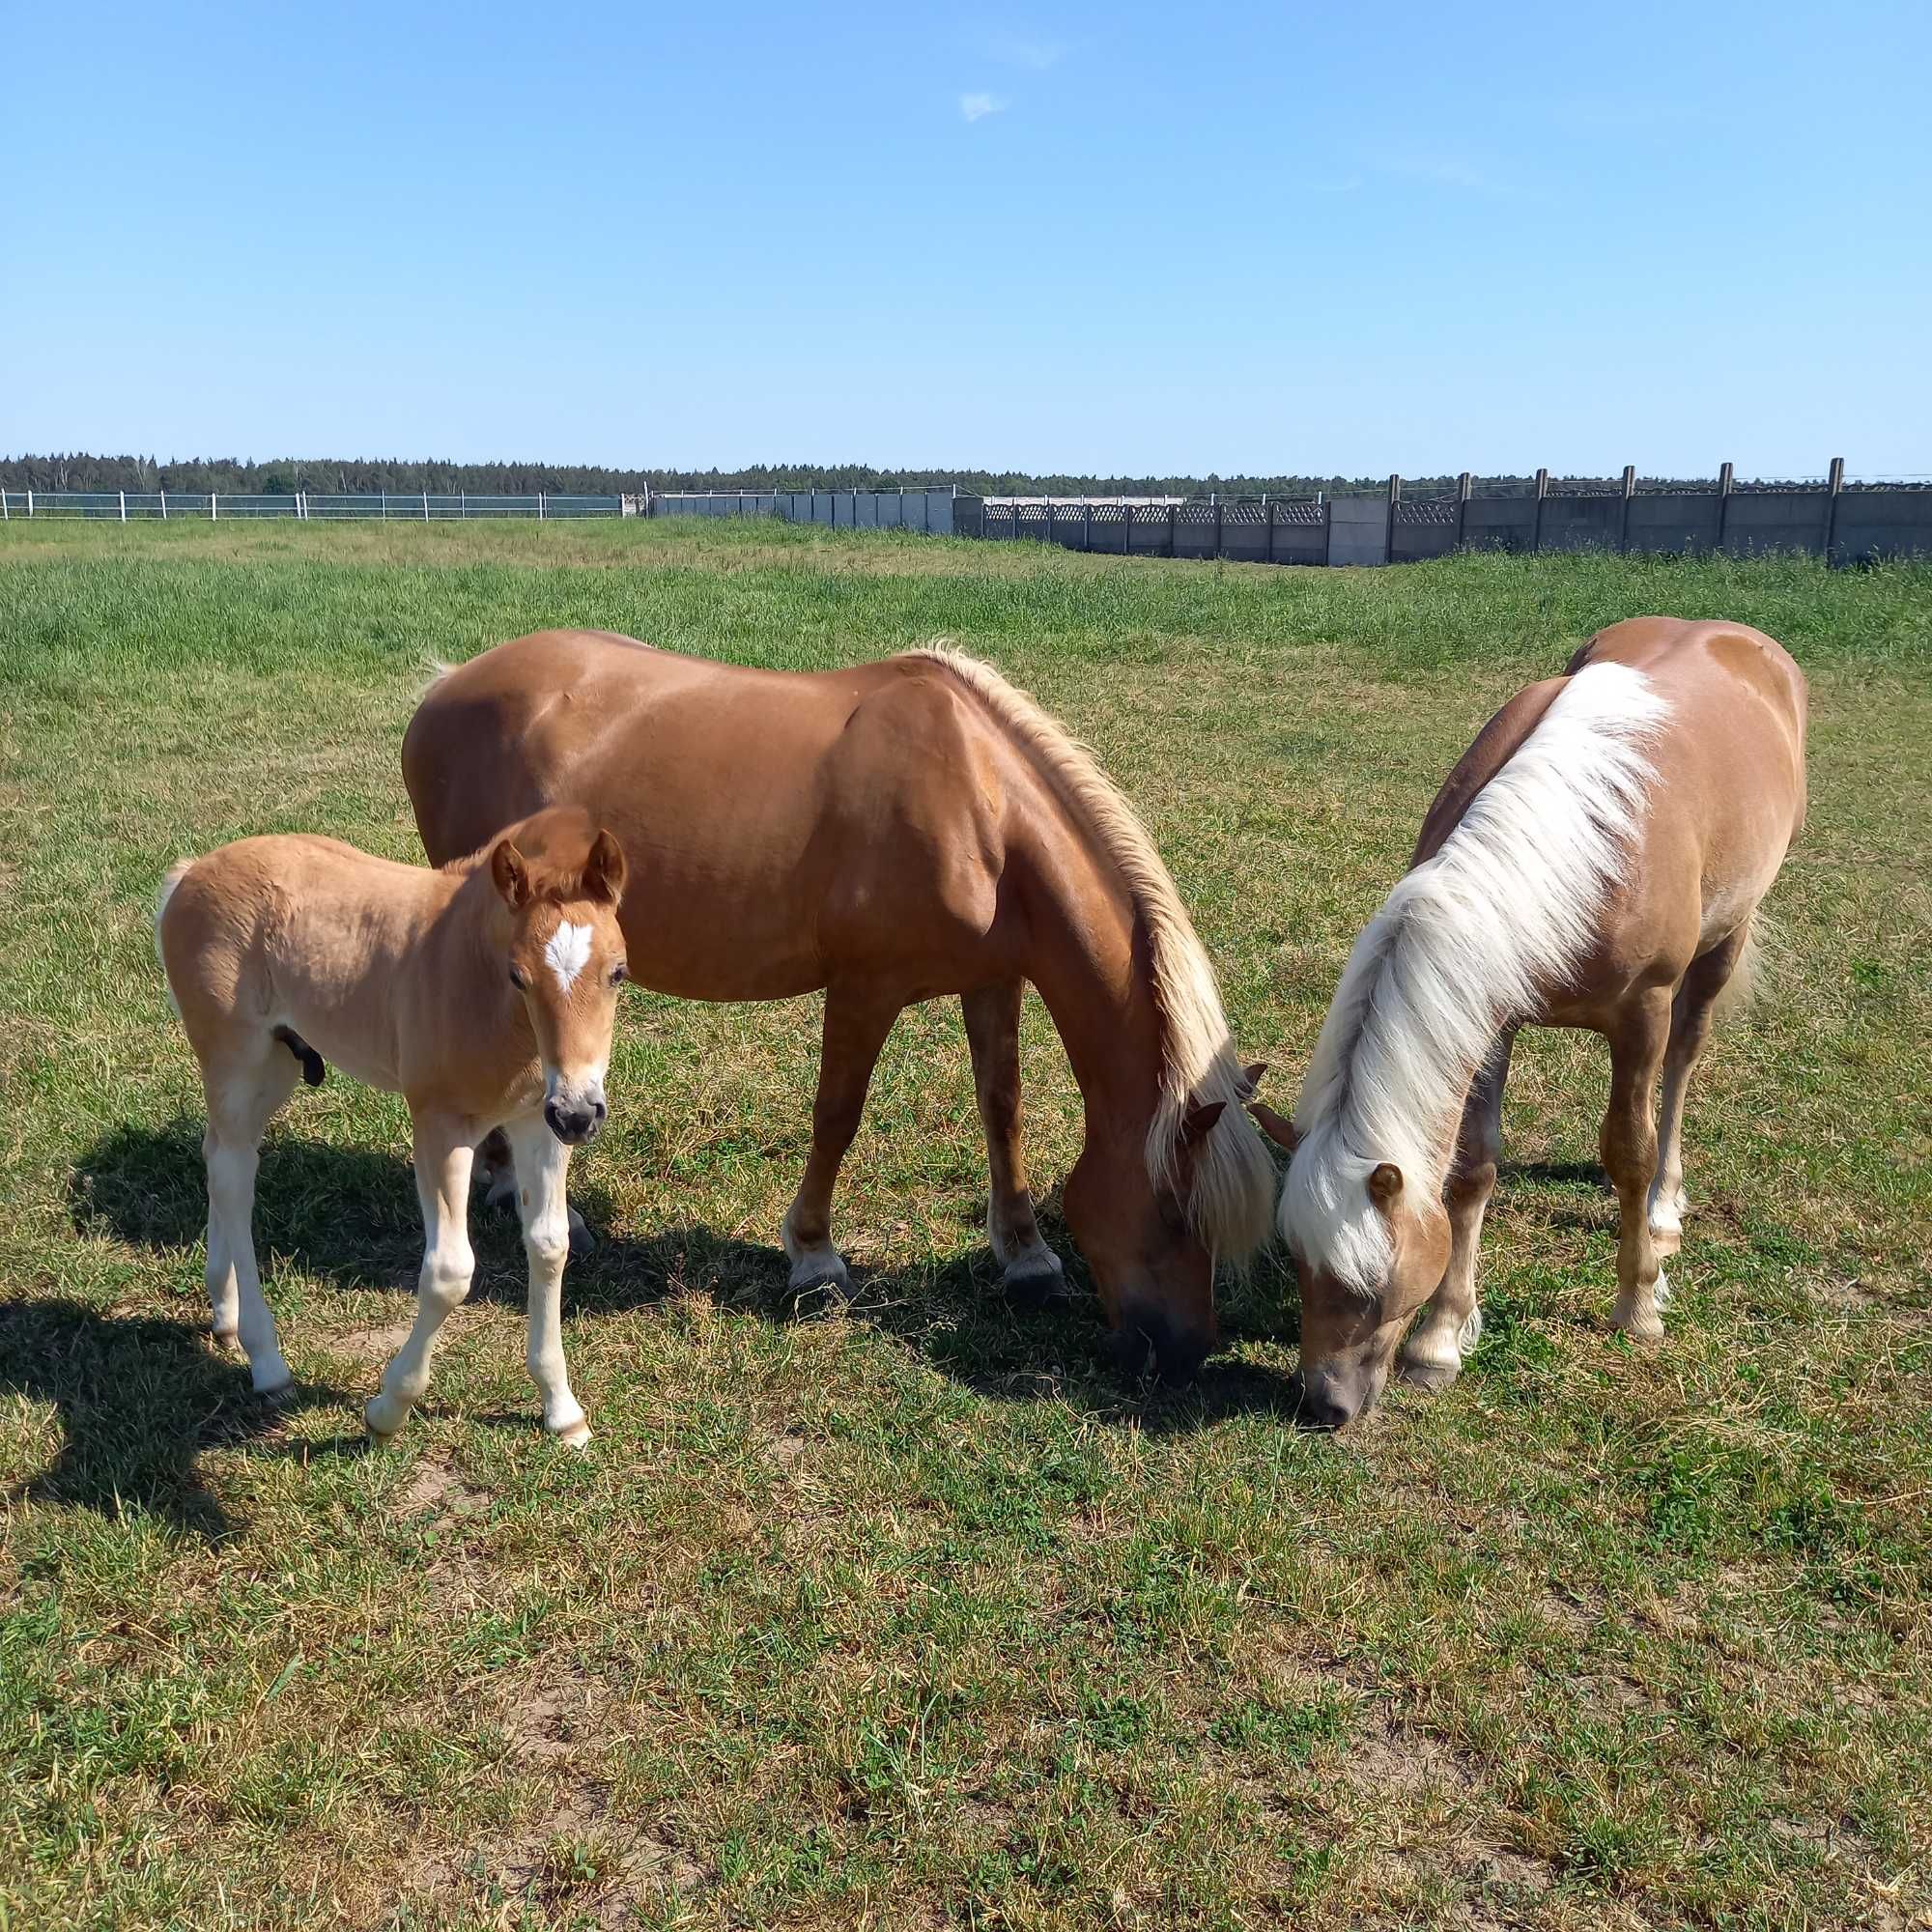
1741	987
170	879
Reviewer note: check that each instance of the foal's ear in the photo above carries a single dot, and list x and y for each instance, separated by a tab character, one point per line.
1385	1183
1198	1123
1251	1078
511	874
604	871
1276	1126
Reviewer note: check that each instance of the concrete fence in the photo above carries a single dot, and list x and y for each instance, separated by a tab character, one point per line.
1847	523
926	510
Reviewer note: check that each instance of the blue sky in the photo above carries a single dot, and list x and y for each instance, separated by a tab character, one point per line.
1119	238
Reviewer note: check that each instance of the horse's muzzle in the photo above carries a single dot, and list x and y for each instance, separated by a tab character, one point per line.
574	1122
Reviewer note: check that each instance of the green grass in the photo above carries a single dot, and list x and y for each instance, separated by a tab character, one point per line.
907	1613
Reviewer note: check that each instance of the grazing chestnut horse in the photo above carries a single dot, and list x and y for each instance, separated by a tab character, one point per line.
1594	860
483	993
894	833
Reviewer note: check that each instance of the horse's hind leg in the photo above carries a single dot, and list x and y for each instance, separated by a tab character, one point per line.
1630	1157
244	1088
857	1021
1032	1270
1451	1324
444	1159
1690	1032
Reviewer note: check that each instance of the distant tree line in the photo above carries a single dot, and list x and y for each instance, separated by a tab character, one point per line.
286	474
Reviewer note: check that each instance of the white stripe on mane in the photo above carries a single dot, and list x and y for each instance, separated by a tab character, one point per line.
1233	1177
1469	941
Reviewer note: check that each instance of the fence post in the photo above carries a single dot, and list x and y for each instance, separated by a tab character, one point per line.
215	506
124	506
30	500
1173	526
1219	525
1629	491
6	514
384	494
1462	486
1268	513
1833	487
540	506
1087	530
165	506
1394	497
1542	490
1723	504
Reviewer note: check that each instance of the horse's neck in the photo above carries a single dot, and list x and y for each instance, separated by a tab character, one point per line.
1087	967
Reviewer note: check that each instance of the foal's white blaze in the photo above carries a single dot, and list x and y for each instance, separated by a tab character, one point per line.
567	953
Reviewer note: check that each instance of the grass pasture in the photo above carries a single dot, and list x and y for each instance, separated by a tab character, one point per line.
907	1613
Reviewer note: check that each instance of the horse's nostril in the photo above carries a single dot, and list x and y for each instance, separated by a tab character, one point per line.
599	1109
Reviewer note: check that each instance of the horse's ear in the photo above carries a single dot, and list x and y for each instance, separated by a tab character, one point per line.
1277	1127
1251	1078
604	871
1385	1183
512	876
1198	1123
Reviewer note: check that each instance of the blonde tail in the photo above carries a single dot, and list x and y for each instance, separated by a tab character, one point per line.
173	877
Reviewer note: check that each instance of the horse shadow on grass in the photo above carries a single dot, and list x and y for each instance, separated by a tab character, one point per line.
139	1399
351	1214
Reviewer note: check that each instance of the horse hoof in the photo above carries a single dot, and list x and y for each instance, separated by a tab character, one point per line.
378	1437
1035	1288
816	1272
276	1383
1435	1376
573	1435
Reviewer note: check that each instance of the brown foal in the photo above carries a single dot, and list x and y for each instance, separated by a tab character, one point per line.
483	993
891	834
1594	860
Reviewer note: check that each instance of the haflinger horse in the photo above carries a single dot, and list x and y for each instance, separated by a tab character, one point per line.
485	993
894	833
1595	861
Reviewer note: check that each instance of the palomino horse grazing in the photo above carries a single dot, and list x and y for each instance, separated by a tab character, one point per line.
1594	860
894	833
485	993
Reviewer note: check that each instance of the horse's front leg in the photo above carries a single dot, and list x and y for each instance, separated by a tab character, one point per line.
543	1165
499	1175
444	1160
1452	1323
1630	1157
857	1021
1033	1272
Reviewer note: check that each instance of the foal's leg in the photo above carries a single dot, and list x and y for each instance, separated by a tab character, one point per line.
444	1160
1452	1323
1630	1157
857	1021
1032	1270
244	1090
1690	1032
499	1186
543	1162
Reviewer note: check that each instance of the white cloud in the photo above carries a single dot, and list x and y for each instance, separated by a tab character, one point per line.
977	106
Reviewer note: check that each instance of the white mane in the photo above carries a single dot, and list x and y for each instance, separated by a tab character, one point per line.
1466	941
1233	1180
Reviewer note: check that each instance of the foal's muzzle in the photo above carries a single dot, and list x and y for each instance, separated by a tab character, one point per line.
574	1122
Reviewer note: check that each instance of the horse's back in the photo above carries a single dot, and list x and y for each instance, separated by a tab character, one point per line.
769	818
1739	713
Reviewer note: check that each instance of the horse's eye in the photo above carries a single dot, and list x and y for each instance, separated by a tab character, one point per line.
519	978
619	974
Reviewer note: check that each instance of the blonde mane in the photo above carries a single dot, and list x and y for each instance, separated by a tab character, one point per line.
1467	943
1233	1192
